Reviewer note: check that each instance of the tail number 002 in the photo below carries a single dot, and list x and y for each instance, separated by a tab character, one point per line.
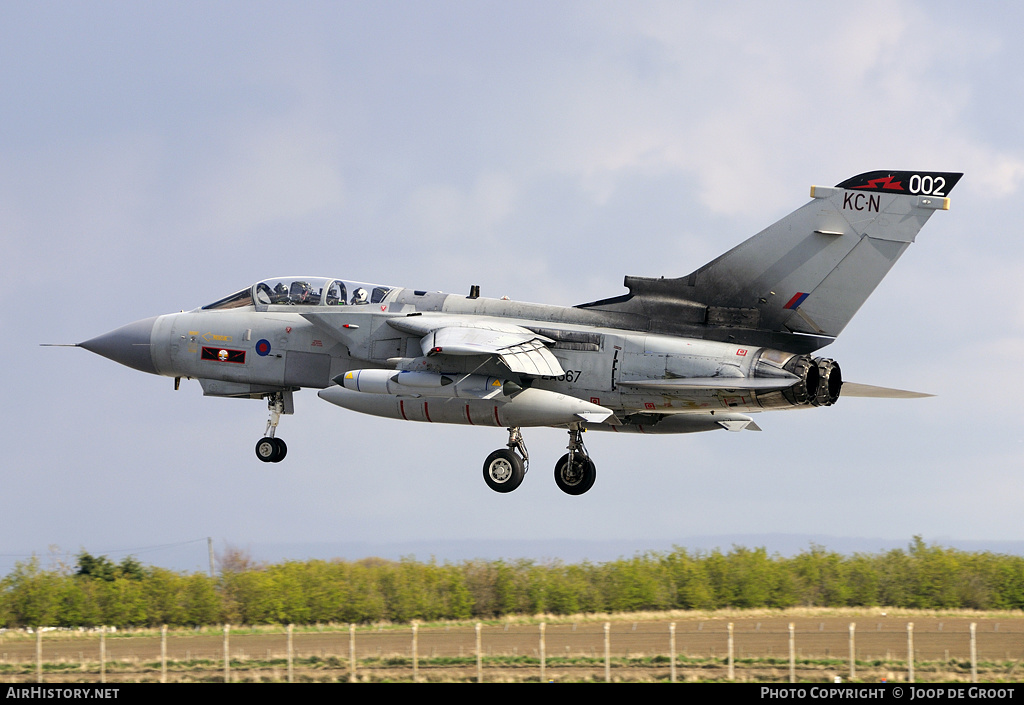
927	185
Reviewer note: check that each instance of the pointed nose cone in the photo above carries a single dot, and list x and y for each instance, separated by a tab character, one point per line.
129	345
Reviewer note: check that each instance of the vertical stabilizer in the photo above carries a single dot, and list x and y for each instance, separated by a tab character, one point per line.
811	271
808	273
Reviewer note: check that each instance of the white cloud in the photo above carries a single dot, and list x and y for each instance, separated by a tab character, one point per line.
749	98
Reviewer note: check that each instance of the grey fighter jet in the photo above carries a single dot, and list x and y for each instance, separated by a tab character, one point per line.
696	353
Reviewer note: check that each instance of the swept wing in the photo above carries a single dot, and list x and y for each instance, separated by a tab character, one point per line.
519	349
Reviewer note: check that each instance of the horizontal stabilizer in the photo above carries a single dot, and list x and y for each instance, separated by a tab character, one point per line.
851	389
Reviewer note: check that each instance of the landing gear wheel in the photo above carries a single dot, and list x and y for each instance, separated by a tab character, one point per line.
578	478
503	470
282	450
271	450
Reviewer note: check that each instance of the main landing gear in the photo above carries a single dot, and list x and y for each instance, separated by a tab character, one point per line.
270	449
575	471
505	468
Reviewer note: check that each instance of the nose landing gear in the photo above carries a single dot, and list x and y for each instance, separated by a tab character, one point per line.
271	449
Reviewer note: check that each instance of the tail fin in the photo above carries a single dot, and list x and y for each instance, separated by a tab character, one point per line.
808	273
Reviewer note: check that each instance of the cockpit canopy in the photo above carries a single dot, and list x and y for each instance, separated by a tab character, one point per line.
304	291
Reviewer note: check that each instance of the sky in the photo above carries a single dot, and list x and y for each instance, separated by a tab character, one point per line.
155	157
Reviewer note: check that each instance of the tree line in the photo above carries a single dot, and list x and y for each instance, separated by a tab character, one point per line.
97	591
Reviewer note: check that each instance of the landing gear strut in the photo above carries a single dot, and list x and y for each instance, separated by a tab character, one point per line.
271	449
504	469
575	471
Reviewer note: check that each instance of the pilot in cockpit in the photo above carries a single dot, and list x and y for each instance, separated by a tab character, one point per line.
280	294
302	293
336	294
359	296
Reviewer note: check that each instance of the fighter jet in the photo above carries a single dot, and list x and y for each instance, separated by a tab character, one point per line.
701	352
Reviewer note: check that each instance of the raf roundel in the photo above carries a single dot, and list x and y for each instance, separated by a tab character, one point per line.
263	347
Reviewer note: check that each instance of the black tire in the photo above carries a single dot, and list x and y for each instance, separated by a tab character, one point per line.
282	450
267	449
503	470
580	479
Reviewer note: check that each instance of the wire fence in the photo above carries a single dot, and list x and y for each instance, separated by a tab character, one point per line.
768	650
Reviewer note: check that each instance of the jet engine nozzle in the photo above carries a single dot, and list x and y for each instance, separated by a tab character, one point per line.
819	380
804	391
830	382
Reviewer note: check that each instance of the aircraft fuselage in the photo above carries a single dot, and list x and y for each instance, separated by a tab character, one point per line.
255	351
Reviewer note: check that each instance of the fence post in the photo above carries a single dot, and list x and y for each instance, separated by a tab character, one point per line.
163	653
853	651
910	652
39	654
103	654
792	653
730	661
672	651
543	652
227	659
479	656
291	655
974	652
607	653
415	653
352	651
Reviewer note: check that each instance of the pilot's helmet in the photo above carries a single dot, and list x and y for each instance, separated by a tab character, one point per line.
332	294
359	296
